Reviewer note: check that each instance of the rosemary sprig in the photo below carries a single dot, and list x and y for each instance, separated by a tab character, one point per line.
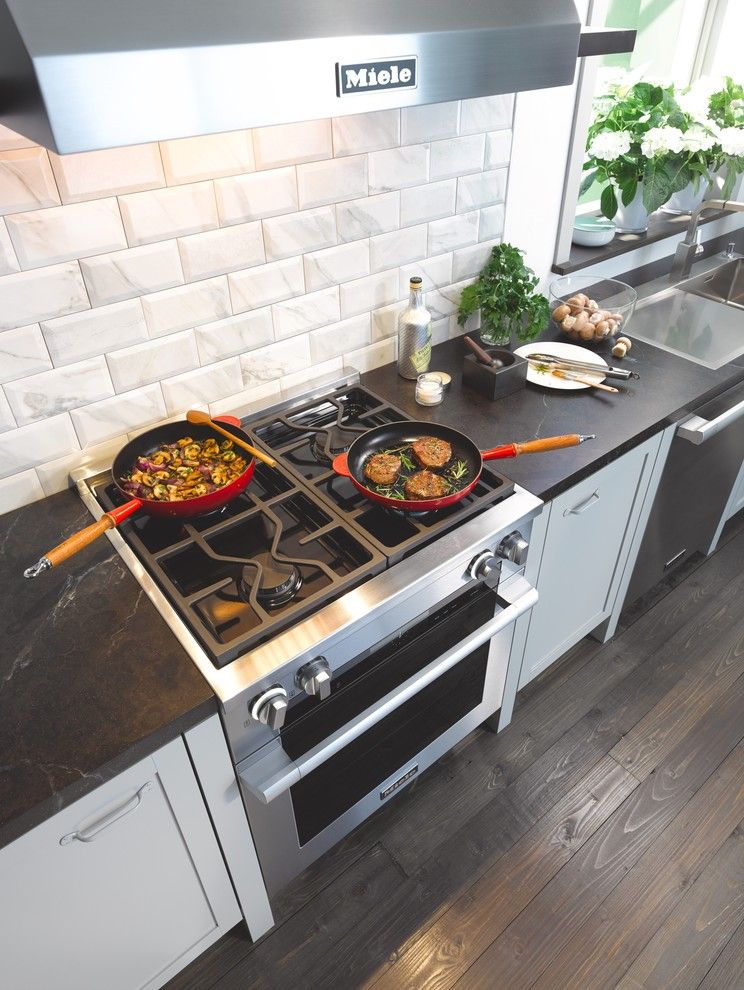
457	471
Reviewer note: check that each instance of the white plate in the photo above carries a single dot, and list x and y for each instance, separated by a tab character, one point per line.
569	352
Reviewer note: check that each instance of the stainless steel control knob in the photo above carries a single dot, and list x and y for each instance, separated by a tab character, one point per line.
514	547
315	678
270	707
486	568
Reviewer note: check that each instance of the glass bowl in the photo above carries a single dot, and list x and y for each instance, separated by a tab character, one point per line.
590	308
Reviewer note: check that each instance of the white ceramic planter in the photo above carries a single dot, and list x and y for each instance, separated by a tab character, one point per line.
633	218
686	200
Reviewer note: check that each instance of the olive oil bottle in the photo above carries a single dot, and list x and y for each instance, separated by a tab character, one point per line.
414	334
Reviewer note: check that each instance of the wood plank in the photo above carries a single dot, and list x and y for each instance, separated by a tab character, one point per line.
605	946
533	940
727	972
684	948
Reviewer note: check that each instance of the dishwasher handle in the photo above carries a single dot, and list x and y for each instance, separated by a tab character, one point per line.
697	430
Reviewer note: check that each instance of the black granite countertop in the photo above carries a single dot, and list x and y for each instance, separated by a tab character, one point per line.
91	678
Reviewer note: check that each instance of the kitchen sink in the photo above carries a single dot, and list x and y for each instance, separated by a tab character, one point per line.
724	284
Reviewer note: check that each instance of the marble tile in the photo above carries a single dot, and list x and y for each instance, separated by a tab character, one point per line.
26	180
7	419
365	294
498	148
320	183
453	232
468	261
142	364
11	140
385	321
59	390
457	156
373	356
261	194
20	489
219	251
481	189
445	302
22	353
428	123
365	217
440	331
101	421
28	297
187	306
298	233
360	132
31	445
336	264
486	113
60	233
247	401
332	341
202	386
164	213
399	247
306	313
287	144
275	361
111	172
207	156
235	335
491	223
8	260
266	284
301	380
55	475
434	272
398	167
95	331
429	202
113	277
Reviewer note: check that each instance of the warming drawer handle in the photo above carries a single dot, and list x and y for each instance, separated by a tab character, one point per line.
697	430
94	830
583	506
274	774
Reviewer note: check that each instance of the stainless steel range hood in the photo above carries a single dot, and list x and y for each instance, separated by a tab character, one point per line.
84	74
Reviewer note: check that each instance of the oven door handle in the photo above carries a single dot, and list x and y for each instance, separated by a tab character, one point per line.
274	773
697	430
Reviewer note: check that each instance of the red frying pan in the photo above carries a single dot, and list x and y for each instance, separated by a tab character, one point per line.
394	436
143	445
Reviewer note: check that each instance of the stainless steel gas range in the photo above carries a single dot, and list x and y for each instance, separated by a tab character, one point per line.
349	646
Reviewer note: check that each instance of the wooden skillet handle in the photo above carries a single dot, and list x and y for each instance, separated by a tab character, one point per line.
72	545
548	443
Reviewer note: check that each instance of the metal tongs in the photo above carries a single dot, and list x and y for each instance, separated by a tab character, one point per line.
582	366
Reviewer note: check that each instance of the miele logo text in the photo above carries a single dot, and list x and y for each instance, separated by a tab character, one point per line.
399	782
366	77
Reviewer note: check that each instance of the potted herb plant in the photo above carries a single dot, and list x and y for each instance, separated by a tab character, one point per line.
504	292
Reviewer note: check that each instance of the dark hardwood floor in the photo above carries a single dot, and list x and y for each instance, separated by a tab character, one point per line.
598	842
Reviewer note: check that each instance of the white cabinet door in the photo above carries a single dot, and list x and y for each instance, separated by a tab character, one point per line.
118	891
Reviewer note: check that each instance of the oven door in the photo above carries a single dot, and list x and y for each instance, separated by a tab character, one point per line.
389	717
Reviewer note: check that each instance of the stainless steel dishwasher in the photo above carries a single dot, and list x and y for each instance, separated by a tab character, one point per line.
704	460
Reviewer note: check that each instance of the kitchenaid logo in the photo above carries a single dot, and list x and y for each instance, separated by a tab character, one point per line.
366	77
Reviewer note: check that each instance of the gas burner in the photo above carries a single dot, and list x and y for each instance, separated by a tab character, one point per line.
278	580
333	440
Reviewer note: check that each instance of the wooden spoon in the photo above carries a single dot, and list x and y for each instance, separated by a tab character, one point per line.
197	418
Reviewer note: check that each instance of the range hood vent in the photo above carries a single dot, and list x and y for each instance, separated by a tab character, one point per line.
78	75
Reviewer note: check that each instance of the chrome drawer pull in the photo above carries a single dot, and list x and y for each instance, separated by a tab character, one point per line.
582	506
90	833
697	430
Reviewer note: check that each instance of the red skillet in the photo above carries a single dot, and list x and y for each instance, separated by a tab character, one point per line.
392	435
141	446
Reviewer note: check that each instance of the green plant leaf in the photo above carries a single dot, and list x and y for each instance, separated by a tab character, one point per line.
628	189
587	182
608	202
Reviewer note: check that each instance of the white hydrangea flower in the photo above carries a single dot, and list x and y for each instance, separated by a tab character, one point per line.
731	140
695	99
609	145
698	138
661	140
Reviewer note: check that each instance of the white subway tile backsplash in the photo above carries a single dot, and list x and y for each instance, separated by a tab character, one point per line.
60	233
207	156
261	194
101	421
262	286
360	132
35	444
306	312
187	306
469	261
124	274
336	264
298	233
57	391
247	401
28	297
445	302
8	260
373	356
333	341
491	223
164	213
453	232
429	202
94	331
398	167
365	217
7	419
19	490
320	183
22	353
219	251
202	386
434	272
498	148
287	144
399	247
26	181
275	361
132	367
457	156
235	335
55	475
486	113
482	189
428	123
385	321
365	294
111	172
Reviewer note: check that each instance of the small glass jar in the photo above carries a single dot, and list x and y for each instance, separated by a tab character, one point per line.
429	390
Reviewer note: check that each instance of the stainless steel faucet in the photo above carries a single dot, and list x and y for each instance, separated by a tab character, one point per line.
688	248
